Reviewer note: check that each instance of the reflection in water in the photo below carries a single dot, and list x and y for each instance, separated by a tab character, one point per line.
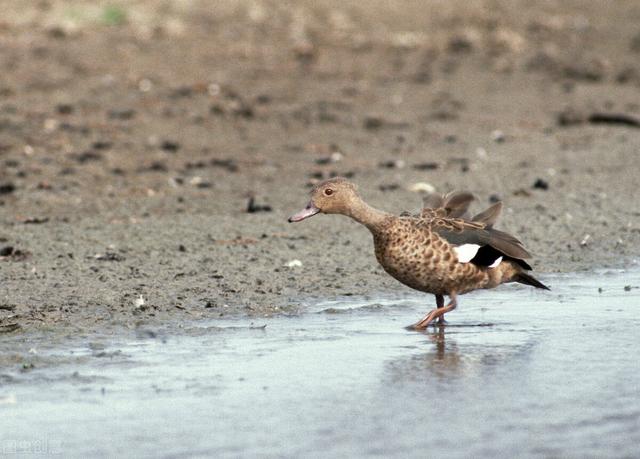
443	358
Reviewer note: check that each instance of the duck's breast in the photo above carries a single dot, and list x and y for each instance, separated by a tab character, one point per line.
408	253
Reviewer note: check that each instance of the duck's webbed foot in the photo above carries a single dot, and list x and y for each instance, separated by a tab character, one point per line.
437	313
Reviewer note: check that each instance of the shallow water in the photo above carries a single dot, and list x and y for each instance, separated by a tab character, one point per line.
517	372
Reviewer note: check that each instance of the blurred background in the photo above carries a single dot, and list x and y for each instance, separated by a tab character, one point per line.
102	101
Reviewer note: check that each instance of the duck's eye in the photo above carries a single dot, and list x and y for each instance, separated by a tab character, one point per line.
328	192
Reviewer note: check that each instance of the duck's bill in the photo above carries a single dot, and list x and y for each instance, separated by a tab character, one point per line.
307	212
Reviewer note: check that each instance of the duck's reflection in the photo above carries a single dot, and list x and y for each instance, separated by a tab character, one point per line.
441	357
437	337
450	352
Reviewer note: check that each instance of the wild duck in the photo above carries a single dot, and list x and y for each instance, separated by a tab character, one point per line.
440	250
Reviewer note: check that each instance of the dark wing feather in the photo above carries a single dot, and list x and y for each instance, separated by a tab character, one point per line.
447	216
487	255
489	216
459	232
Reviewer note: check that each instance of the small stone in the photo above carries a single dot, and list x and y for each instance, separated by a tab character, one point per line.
392	164
334	157
293	263
627	75
422	187
522	193
541	184
145	85
121	113
263	99
34	220
498	136
229	164
373	122
51	124
11	253
170	146
7	188
388	187
460	44
64	109
241	109
217	109
252	207
108	256
156	166
86	156
585	240
428	166
101	145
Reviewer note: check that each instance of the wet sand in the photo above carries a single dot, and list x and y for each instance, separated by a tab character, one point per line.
132	138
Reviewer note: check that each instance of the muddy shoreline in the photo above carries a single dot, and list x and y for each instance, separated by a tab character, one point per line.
132	140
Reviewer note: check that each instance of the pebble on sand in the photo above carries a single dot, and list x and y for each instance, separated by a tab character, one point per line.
422	187
498	136
541	184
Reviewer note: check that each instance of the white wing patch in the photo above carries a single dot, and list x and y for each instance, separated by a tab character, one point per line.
466	252
496	263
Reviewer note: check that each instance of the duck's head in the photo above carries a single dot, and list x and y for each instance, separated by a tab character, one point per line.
333	196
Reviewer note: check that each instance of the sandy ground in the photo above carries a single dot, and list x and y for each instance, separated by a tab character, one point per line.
133	134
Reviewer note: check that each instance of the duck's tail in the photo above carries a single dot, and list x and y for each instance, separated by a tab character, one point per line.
528	279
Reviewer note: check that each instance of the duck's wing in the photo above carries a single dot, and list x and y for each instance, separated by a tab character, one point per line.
477	243
489	216
454	204
457	203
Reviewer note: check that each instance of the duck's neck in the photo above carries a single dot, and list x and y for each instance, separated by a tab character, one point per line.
363	213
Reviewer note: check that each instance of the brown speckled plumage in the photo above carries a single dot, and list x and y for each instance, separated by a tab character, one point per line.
410	251
421	251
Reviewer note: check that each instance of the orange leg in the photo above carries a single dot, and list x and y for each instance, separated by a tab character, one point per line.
439	312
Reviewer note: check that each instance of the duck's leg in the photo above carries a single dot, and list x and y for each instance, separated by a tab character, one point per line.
416	326
438	312
440	304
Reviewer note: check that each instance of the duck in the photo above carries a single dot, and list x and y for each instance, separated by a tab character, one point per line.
440	250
